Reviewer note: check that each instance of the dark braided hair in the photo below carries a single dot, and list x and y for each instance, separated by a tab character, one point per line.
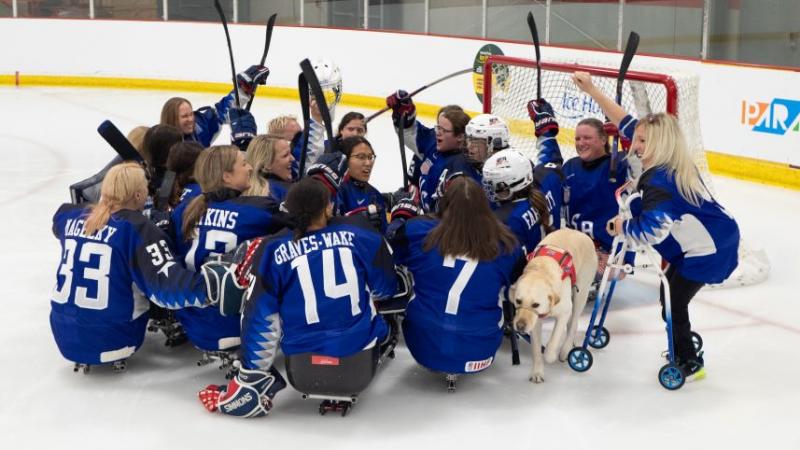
306	200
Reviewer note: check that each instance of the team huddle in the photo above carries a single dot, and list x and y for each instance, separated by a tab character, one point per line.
250	251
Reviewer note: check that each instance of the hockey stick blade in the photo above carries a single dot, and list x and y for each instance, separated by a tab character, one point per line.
316	89
627	57
119	142
535	37
432	83
221	13
267	41
302	88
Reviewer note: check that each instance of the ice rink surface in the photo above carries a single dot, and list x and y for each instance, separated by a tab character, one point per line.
749	399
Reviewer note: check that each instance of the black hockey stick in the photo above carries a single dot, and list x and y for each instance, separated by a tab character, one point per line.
432	83
508	315
270	26
316	89
119	142
402	139
165	191
535	36
230	50
630	51
302	88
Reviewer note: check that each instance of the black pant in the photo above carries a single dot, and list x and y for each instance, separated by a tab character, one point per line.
681	293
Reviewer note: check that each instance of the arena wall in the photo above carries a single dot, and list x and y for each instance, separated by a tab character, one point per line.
749	115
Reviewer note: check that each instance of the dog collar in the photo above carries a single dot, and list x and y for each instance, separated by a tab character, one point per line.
563	258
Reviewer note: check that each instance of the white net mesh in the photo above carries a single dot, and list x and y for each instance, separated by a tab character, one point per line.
513	84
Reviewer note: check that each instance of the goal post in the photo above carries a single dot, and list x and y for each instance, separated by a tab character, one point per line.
510	83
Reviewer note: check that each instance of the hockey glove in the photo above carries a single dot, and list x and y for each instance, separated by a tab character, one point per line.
248	395
243	127
250	78
411	193
405	209
612	131
543	117
326	175
401	103
222	287
370	212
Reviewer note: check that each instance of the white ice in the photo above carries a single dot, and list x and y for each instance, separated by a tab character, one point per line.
752	335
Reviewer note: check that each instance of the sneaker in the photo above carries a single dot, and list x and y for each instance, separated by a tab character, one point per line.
693	368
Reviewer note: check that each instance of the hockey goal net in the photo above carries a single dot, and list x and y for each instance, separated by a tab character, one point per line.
509	83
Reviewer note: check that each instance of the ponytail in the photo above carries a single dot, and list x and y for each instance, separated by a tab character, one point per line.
539	203
119	187
305	201
98	217
191	217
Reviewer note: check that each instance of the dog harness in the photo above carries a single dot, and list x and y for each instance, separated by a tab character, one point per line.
563	258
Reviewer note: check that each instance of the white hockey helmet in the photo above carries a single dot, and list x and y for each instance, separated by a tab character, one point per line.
485	129
330	80
506	173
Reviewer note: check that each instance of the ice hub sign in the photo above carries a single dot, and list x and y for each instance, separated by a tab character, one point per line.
777	117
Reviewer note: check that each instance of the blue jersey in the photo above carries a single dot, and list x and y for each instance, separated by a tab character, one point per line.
702	242
278	188
225	225
208	121
436	168
320	287
454	320
521	217
355	195
100	301
549	180
589	197
190	191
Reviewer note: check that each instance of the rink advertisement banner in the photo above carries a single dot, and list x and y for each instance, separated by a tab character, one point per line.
744	111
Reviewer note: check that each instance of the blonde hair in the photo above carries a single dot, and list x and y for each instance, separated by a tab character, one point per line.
208	170
261	154
119	187
666	147
170	114
277	126
136	136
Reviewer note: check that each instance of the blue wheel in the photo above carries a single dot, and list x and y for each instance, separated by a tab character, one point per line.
579	359
697	340
671	377
599	337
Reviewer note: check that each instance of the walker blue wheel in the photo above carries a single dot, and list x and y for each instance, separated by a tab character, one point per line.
599	337
697	341
671	377
580	359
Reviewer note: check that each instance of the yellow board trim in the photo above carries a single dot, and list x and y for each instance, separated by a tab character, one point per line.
739	167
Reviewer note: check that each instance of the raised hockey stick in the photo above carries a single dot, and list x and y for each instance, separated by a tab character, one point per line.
402	139
270	26
535	37
432	83
630	50
302	88
119	142
230	50
316	89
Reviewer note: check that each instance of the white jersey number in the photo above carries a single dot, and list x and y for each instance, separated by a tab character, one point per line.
98	275
454	295
213	237
332	290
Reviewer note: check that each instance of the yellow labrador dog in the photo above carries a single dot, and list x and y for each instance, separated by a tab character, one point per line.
555	283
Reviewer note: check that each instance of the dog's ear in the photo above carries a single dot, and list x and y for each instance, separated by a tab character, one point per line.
553	299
